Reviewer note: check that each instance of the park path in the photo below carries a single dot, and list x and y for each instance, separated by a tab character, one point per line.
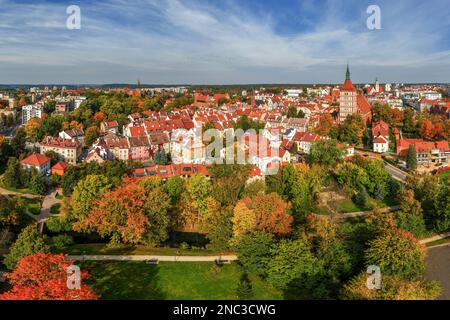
356	214
6	192
438	266
48	201
152	257
439	236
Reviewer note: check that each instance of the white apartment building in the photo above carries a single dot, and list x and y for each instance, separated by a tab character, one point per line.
31	111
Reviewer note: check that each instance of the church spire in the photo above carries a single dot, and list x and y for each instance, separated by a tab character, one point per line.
347	75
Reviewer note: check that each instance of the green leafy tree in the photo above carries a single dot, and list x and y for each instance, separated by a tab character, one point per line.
91	135
37	183
439	218
361	197
86	192
325	152
411	159
61	242
228	182
409	122
18	142
244	291
397	253
58	224
160	157
255	250
50	126
246	123
330	248
292	112
13	174
392	288
410	217
198	188
352	176
174	186
29	242
6	152
256	187
293	267
216	223
352	129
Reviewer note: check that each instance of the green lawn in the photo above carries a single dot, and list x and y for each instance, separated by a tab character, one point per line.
22	190
171	280
32	205
347	206
55	208
103	249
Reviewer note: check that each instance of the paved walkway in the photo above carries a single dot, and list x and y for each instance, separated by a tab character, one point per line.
435	238
438	268
47	202
6	192
150	257
357	214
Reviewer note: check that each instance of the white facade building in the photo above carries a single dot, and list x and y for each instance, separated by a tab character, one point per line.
31	111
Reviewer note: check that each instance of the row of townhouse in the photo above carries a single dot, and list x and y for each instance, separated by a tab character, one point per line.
140	148
68	150
428	152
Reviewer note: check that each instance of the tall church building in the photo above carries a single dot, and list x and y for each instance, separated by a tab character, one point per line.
351	102
348	98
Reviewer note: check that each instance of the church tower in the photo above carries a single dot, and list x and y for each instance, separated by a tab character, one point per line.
348	103
377	85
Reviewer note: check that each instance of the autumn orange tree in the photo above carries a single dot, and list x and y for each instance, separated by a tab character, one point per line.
268	212
31	128
44	277
392	288
325	124
130	214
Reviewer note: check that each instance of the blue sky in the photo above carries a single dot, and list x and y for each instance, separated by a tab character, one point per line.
224	41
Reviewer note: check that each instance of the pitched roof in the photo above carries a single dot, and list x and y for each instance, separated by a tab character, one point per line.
35	160
60	166
364	107
348	86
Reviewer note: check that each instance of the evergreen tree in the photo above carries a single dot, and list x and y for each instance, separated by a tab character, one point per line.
244	289
12	176
411	159
160	157
29	242
37	183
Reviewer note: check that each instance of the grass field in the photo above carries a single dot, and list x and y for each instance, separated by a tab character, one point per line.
103	249
169	280
55	208
32	205
22	190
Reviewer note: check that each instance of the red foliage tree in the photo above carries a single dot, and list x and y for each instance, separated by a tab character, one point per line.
426	130
44	276
129	214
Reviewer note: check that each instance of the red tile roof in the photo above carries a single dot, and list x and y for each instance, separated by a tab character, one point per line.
348	86
35	160
60	166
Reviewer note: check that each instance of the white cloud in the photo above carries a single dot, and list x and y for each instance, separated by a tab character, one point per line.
183	42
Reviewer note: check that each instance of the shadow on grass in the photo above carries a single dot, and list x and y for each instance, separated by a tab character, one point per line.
124	280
